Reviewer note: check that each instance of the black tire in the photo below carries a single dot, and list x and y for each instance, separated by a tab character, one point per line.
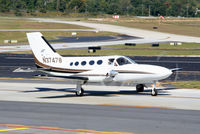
140	88
81	93
154	92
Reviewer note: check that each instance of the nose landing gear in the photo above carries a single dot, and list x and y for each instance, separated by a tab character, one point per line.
154	91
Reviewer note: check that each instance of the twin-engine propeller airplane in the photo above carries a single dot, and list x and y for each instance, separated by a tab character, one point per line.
105	69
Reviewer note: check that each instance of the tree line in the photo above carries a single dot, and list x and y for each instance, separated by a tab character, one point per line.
185	8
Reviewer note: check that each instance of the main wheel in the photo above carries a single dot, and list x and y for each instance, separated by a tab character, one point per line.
154	92
140	88
80	92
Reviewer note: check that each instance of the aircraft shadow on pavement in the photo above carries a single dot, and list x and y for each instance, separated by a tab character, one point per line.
49	89
161	92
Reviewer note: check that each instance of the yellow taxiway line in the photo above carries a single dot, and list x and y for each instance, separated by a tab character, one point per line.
59	129
12	129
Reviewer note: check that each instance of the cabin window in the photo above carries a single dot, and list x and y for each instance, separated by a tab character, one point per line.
99	62
83	63
71	64
76	63
122	61
91	62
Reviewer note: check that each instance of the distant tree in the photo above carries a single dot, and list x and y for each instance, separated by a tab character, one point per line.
113	7
76	5
5	5
124	7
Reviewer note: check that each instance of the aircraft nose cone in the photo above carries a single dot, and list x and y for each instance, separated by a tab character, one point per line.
164	72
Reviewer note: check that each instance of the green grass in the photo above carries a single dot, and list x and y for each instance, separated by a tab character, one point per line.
23	23
187	84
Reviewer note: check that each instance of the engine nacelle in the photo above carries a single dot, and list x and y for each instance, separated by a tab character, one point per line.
110	76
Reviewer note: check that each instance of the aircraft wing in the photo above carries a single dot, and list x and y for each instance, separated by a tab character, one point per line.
71	77
84	76
57	75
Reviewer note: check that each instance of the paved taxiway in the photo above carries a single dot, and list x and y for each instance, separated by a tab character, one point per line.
107	109
60	92
100	118
104	108
92	39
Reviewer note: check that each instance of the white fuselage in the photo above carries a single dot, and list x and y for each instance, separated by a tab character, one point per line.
110	69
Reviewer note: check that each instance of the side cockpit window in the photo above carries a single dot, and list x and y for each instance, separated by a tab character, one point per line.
123	61
110	61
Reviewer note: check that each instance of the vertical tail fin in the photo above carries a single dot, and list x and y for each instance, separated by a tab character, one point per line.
43	52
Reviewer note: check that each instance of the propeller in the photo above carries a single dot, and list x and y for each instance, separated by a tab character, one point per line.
176	71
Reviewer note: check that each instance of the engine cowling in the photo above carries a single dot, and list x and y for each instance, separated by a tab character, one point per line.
110	75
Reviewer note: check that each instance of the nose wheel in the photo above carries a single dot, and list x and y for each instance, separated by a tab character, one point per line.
154	91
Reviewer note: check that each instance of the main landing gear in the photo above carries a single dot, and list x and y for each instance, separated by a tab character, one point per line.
140	88
79	89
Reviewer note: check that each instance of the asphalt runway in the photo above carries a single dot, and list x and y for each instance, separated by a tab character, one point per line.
36	103
190	66
61	91
100	118
76	39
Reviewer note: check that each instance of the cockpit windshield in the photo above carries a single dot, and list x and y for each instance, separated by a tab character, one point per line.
132	61
124	61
